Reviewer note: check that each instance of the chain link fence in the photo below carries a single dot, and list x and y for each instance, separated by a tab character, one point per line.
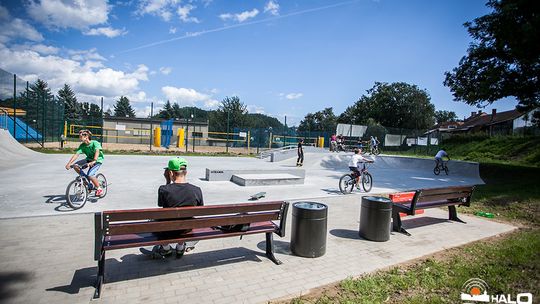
30	114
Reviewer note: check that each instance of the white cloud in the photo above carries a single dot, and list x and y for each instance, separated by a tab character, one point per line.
240	17
292	96
106	31
12	28
272	7
246	15
69	14
184	97
255	109
165	70
81	55
226	16
211	104
161	8
183	13
172	30
84	76
39	48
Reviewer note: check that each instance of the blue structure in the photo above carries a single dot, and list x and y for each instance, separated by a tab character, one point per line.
166	132
21	128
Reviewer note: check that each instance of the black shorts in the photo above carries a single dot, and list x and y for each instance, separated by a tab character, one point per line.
354	169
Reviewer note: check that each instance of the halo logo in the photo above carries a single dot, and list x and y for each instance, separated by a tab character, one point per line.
475	290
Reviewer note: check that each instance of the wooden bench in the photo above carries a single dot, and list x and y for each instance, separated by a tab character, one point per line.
432	198
119	229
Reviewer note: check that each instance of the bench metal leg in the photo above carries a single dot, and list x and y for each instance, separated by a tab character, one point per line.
396	223
100	275
452	214
270	248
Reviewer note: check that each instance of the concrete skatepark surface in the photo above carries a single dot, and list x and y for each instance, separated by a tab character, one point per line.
60	268
34	184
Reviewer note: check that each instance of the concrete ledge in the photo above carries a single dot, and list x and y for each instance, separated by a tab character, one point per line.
227	174
291	153
266	179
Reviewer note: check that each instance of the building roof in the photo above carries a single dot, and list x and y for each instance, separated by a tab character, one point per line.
154	121
483	119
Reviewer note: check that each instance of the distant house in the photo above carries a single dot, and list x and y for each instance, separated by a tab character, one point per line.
497	123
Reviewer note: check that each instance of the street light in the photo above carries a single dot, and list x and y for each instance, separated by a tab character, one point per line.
192	138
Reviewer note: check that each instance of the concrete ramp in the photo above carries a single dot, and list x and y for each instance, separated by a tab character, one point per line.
459	168
262	179
12	152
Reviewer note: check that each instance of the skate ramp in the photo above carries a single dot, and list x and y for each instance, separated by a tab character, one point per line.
12	152
384	162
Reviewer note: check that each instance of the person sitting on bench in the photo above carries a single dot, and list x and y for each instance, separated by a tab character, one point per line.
177	192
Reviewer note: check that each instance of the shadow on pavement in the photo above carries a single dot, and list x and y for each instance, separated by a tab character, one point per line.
279	247
346	234
137	266
7	282
422	221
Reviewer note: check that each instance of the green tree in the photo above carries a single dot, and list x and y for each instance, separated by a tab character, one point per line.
167	112
122	108
445	116
324	120
231	108
72	108
398	105
504	60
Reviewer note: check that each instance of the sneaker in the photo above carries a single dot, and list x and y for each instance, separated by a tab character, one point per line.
180	250
159	251
99	192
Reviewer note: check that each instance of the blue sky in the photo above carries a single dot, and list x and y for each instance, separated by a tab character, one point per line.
282	58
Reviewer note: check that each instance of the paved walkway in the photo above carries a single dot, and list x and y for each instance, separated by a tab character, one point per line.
50	260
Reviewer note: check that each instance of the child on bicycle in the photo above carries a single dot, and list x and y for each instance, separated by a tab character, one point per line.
94	158
355	161
439	157
374	143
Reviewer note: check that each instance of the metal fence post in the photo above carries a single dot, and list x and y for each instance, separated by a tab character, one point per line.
14	106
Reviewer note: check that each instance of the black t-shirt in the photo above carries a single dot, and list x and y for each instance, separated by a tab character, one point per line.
179	195
300	150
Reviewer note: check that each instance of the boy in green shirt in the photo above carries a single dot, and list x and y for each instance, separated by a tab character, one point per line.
94	158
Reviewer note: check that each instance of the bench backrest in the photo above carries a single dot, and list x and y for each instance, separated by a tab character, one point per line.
459	194
120	222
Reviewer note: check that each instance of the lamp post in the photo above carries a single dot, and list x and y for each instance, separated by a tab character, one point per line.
193	138
187	133
227	143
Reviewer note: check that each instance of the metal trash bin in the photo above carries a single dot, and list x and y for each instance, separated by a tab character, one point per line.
375	218
308	232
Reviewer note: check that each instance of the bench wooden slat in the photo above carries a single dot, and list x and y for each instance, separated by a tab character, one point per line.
203	222
446	190
442	197
183	212
149	239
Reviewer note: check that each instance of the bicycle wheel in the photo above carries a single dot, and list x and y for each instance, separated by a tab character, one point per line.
367	181
445	170
436	170
103	184
76	194
346	183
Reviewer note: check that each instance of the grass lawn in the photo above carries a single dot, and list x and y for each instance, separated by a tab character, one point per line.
509	264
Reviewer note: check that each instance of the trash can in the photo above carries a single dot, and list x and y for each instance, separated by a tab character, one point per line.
308	232
375	218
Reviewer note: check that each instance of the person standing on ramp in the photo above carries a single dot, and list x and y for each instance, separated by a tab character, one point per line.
300	161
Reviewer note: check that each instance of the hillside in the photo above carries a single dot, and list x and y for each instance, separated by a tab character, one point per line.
503	149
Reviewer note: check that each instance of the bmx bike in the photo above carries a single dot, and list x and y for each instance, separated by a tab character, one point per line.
79	189
440	166
348	181
374	150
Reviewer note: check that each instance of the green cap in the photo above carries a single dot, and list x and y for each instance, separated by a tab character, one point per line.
176	164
